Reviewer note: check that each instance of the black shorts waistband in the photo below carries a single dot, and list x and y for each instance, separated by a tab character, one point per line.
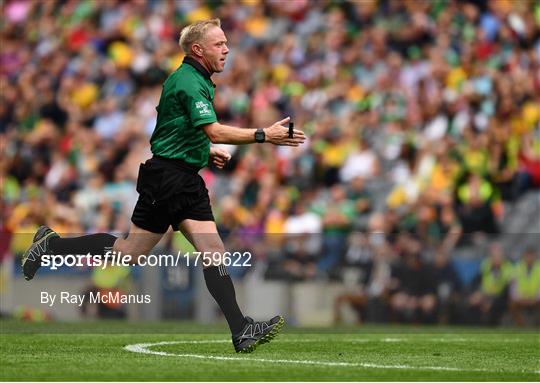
178	163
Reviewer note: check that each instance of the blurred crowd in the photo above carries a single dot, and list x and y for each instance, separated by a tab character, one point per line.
403	285
423	120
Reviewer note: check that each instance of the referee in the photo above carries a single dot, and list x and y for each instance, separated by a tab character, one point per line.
171	192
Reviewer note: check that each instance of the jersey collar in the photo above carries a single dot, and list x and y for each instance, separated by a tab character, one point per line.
197	65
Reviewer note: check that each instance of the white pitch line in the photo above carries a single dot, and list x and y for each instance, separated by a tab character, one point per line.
209	341
143	348
361	340
397	340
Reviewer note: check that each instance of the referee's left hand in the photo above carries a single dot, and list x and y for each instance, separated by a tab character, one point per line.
218	157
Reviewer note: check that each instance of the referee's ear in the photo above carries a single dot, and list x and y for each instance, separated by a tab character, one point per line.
197	49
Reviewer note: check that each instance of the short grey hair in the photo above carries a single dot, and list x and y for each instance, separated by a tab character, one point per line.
195	32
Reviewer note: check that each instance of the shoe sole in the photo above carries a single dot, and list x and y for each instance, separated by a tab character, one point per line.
267	338
27	252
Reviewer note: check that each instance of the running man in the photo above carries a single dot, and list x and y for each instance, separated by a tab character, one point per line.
171	192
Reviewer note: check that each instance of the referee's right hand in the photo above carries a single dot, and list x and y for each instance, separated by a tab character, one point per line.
278	134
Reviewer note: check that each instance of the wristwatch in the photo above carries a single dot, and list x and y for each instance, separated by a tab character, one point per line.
260	136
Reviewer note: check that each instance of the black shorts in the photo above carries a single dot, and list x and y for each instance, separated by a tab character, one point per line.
169	191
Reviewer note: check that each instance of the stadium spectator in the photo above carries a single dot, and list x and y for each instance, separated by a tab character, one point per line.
449	228
474	205
529	158
302	243
525	288
299	261
414	290
337	213
371	270
489	301
447	286
361	163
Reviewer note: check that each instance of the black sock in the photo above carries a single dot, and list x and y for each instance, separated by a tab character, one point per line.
95	244
220	285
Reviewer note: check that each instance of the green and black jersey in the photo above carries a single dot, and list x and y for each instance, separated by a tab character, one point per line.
185	104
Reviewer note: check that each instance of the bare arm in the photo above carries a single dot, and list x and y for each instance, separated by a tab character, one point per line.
226	134
275	134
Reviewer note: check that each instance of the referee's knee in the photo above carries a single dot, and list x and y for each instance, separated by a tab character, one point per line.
214	245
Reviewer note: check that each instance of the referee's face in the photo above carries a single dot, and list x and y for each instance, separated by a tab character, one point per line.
215	50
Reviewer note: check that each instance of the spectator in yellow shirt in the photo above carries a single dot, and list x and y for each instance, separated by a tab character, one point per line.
525	288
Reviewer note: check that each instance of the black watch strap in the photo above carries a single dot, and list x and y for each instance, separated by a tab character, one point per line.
260	137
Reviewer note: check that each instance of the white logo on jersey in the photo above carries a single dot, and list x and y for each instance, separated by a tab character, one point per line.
203	108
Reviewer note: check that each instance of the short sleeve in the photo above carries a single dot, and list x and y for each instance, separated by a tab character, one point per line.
197	104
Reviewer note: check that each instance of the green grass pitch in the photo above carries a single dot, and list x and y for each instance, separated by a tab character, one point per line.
176	351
